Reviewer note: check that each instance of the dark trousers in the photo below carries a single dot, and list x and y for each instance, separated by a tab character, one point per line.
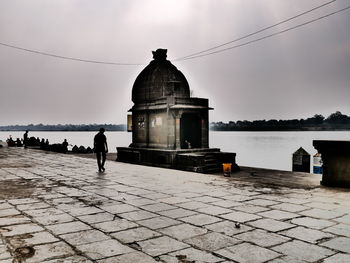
99	163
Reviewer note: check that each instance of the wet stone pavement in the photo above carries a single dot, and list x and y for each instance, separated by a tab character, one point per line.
55	208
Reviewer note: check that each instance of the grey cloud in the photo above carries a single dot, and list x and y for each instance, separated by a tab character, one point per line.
293	75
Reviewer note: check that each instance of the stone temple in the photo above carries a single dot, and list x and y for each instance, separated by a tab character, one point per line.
169	127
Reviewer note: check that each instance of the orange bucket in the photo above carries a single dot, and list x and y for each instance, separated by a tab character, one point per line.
226	167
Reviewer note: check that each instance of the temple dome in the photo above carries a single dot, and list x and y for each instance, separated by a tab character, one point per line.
160	79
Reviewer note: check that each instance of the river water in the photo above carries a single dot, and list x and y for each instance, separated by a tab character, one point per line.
255	149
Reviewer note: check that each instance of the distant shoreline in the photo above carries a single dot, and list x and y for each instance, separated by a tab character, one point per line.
3	130
216	130
282	130
334	122
63	127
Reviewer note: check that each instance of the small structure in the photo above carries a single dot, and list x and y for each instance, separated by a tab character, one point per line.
317	161
336	162
301	161
169	127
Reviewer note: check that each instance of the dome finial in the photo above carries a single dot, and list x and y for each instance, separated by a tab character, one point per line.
159	54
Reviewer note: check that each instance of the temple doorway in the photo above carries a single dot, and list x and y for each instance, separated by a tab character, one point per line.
190	131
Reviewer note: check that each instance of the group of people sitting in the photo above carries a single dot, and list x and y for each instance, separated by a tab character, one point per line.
81	149
32	141
100	146
13	143
44	144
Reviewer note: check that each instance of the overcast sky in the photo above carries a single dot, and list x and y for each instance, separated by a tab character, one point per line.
293	75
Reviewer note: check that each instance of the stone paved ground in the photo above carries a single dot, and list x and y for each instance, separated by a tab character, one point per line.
55	208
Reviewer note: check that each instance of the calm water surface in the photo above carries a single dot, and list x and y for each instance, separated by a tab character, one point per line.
270	149
256	149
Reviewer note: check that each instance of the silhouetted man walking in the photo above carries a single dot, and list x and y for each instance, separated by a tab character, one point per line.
101	148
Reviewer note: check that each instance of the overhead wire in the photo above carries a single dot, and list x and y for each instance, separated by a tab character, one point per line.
270	35
70	58
256	32
203	52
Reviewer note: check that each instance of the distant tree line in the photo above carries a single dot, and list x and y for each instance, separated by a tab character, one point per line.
335	121
64	127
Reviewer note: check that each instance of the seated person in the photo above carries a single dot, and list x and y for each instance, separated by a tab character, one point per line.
10	142
18	143
42	144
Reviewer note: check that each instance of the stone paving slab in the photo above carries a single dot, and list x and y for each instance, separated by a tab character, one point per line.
158	222
339	229
74	259
228	228
96	218
14	220
287	259
183	231
247	253
190	255
177	213
54	219
49	251
211	241
14	230
200	219
135	234
303	251
84	237
161	245
344	219
135	257
289	207
9	212
241	217
104	249
278	215
312	222
31	239
138	215
262	238
250	209
271	224
115	225
338	258
214	210
340	243
69	227
308	235
67	213
321	213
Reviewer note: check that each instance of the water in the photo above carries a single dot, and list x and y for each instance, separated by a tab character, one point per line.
256	149
270	149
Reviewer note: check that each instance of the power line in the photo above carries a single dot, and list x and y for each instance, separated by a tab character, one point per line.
256	32
70	58
268	36
197	54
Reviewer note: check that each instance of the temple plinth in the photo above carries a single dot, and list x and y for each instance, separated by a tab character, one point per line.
169	127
